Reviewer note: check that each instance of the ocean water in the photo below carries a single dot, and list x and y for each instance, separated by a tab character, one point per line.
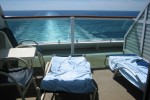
58	29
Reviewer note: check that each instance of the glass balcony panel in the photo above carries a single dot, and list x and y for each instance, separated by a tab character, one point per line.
41	30
101	29
58	30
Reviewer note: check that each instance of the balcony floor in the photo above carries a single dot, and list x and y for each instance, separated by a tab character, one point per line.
108	88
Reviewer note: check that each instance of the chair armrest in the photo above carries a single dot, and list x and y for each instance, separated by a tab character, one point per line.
31	41
24	46
10	59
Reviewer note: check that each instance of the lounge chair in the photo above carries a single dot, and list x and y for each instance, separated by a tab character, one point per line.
131	66
136	41
69	74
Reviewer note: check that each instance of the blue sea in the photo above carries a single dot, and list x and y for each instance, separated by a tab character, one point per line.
58	29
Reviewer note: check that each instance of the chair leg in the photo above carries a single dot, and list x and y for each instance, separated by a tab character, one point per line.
54	95
115	73
37	89
43	96
22	94
94	94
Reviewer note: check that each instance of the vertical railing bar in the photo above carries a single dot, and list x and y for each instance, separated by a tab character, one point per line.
143	32
72	35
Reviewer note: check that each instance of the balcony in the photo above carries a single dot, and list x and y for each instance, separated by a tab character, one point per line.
106	37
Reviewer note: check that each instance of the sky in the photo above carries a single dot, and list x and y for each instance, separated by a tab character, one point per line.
110	5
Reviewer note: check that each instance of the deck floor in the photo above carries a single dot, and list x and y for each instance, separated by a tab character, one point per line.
108	89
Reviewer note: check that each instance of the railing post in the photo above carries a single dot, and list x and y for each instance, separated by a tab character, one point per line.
72	35
2	21
1	11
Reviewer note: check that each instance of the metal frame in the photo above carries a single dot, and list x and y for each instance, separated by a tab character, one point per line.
22	90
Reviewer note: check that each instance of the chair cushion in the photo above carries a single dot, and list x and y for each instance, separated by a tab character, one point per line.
69	74
22	75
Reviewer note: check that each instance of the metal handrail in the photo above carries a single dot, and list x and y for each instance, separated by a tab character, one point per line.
26	17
